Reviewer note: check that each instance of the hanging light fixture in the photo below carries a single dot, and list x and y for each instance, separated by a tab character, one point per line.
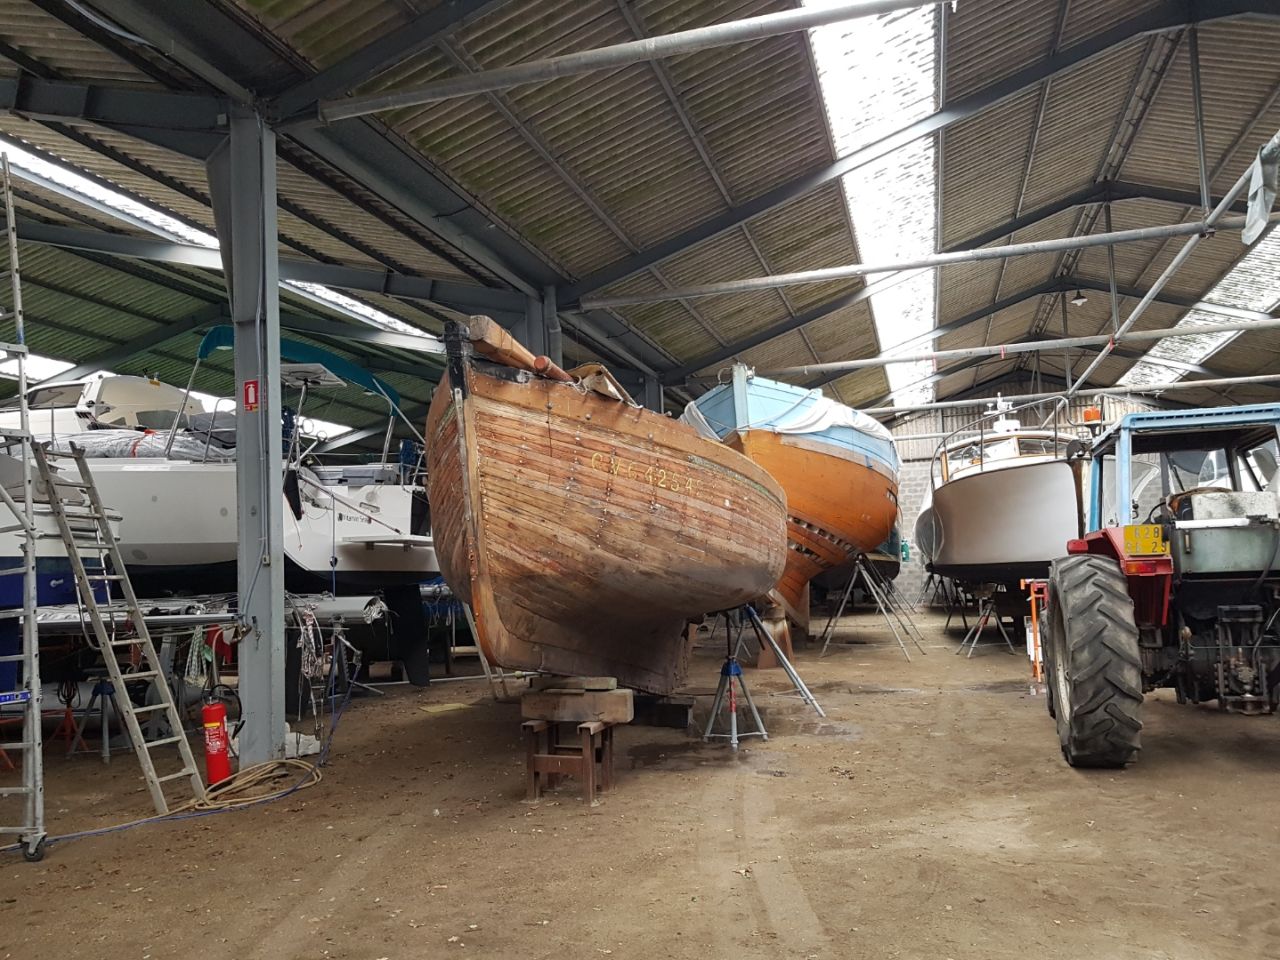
1079	300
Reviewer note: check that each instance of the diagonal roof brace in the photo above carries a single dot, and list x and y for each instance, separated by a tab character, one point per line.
619	55
389	50
1165	16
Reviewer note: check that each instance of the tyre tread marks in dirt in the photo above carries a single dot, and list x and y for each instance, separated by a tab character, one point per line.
1097	646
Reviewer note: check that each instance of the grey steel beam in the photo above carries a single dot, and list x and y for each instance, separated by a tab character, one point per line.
394	47
1169	15
214	313
971	363
243	186
1107	190
1055	286
356	333
217	46
135	105
1267	379
1206	204
1034	344
1114	190
462	297
1197	231
1269	152
652	398
367	342
618	55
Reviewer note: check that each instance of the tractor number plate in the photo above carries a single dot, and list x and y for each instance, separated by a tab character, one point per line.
1144	539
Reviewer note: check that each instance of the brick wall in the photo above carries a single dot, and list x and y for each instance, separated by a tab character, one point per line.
913	480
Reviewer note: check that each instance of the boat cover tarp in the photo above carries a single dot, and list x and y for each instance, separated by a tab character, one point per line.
814	414
126	444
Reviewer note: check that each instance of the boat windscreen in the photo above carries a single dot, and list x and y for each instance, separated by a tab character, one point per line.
51	398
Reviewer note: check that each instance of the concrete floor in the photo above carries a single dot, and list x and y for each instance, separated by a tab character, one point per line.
929	817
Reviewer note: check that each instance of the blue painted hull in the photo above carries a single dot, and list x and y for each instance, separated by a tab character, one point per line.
55	584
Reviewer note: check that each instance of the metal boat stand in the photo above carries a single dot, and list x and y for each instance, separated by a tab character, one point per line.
930	588
955	599
765	638
886	601
726	694
986	611
493	674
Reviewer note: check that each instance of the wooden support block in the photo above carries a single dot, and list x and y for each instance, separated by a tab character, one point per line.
549	682
547	757
578	706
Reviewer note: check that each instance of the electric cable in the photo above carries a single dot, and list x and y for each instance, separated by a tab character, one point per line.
223	797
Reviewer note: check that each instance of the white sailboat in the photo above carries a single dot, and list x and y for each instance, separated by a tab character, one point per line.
167	467
1003	502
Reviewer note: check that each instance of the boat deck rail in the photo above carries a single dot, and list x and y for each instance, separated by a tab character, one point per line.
940	464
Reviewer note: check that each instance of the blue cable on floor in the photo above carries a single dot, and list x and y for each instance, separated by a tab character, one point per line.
194	814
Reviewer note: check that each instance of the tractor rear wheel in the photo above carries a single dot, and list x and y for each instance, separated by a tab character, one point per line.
1094	667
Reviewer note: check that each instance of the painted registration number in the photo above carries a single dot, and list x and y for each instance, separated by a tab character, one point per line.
1144	539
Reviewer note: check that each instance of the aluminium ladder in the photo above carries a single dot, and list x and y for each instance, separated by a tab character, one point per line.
85	529
31	832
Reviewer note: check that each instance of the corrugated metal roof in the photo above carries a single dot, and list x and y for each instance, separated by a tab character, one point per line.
586	170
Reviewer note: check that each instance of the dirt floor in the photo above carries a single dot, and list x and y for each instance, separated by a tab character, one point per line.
930	816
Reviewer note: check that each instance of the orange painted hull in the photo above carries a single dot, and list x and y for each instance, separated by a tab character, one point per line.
838	506
585	532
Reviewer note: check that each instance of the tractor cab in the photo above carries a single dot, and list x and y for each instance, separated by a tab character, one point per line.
1176	584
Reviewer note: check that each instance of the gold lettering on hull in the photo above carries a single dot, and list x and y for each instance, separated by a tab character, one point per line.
659	477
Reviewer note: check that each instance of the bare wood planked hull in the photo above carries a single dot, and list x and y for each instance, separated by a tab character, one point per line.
585	531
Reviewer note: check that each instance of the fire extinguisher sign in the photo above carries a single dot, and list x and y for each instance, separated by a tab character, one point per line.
250	396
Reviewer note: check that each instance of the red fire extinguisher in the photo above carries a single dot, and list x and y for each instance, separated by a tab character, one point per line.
217	744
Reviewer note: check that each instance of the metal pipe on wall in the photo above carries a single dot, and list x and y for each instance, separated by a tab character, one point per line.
618	55
1197	231
1029	346
1149	388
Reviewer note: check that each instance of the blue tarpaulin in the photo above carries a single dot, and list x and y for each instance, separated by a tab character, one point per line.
222	337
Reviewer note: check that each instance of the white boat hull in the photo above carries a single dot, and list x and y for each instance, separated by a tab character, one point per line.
180	517
1001	525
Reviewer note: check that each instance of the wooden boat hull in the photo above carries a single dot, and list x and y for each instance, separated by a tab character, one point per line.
584	532
839	504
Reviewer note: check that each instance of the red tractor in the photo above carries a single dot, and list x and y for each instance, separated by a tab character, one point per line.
1176	585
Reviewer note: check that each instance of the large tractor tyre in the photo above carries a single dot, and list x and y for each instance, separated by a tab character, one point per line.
1094	667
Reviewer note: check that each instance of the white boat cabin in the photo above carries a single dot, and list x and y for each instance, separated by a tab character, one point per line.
1006	444
119	402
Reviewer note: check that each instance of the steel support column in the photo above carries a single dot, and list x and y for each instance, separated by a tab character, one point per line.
653	393
242	181
551	322
532	330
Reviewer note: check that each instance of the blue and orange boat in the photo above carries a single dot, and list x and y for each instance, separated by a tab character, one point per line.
837	466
